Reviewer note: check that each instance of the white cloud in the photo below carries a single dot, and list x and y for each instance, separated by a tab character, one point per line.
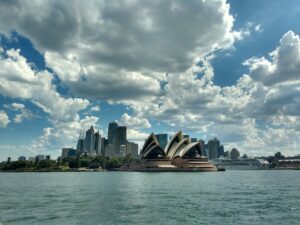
17	106
141	54
120	50
258	28
134	121
137	136
284	63
4	120
95	108
19	80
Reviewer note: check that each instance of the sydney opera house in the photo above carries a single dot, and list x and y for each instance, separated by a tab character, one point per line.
179	155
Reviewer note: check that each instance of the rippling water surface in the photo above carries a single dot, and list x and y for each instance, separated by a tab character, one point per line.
231	197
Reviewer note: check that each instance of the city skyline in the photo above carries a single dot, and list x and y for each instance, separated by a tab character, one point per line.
221	69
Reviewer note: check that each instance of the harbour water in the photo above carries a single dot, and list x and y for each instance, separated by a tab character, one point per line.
231	197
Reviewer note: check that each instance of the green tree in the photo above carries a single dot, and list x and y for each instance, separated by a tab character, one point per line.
85	162
113	163
45	164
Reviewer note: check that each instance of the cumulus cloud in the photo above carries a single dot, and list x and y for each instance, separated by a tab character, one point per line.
113	50
134	121
283	65
146	55
19	80
4	120
249	113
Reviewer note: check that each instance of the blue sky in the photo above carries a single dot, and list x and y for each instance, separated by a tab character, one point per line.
210	68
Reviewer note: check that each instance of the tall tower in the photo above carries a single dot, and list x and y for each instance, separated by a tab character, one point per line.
104	143
213	146
89	139
121	137
97	143
112	130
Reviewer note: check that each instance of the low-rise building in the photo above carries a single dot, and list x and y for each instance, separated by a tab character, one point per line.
22	158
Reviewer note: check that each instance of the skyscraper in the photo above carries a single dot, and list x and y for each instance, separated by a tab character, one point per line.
104	143
162	140
213	146
80	146
121	138
112	130
89	139
221	151
97	142
202	144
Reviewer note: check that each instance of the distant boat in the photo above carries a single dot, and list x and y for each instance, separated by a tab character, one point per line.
242	164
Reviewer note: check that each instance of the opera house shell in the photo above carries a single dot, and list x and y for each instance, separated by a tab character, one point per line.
179	155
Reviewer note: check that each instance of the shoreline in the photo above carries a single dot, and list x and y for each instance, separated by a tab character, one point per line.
118	170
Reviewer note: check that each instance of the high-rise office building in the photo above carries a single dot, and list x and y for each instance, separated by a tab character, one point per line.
68	152
103	144
89	139
97	143
22	158
162	140
112	130
80	146
121	138
213	146
110	150
221	151
202	145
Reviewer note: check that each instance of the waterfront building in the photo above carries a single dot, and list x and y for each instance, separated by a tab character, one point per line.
293	163
122	152
121	138
89	140
110	150
162	140
8	160
80	146
179	155
203	149
103	144
221	151
132	149
39	158
22	158
213	146
31	159
112	130
48	157
97	143
68	152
